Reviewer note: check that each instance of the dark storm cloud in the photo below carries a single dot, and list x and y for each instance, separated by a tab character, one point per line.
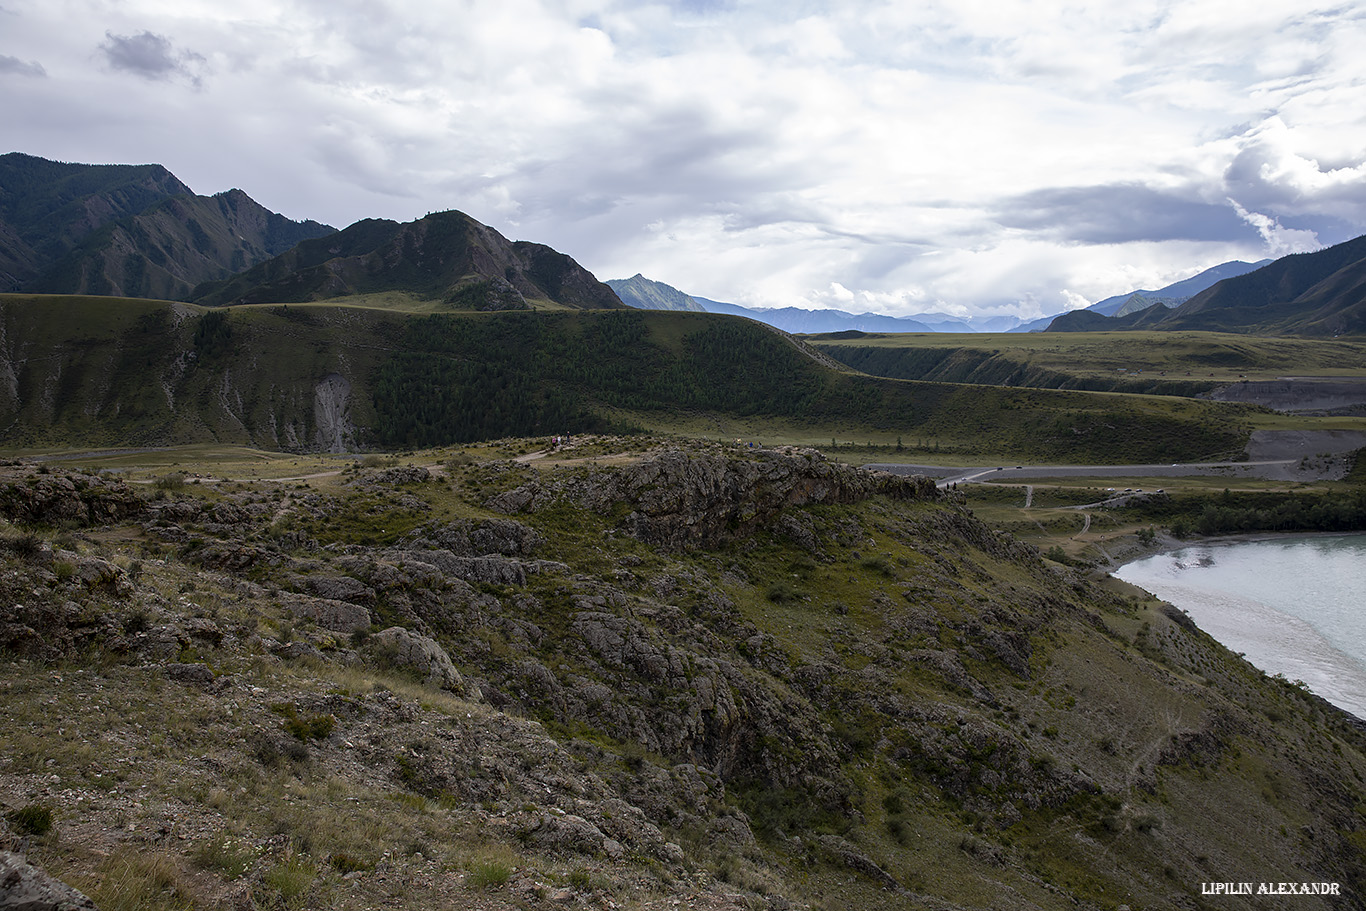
20	67
148	55
1121	213
1259	178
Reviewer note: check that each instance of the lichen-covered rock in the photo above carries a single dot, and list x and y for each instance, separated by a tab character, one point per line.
570	833
198	674
338	616
341	588
24	887
417	653
71	499
465	538
101	574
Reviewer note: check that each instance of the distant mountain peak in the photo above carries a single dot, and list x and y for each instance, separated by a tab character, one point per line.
646	294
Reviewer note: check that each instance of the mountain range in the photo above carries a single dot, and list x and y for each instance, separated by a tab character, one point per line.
646	294
1175	294
137	231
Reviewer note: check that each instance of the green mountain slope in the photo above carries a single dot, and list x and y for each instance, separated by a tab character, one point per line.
300	377
169	249
1321	293
1153	363
47	207
446	256
131	231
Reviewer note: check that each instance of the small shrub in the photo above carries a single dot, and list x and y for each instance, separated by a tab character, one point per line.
292	880
1146	822
314	727
879	564
172	481
274	753
458	461
783	591
137	622
226	856
64	570
1058	555
896	827
34	820
490	874
345	863
26	545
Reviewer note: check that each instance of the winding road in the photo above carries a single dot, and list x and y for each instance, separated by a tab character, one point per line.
1276	470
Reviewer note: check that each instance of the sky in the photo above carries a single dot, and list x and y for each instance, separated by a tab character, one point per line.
971	157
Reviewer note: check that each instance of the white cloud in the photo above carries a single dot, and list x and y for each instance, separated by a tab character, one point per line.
1280	241
1001	156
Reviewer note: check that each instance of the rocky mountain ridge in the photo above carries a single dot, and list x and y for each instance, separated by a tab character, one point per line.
127	230
445	256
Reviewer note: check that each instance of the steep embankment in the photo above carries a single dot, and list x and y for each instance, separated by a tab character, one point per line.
989	366
87	371
105	371
758	679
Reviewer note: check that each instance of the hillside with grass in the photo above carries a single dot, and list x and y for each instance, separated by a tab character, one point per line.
1152	363
621	674
100	372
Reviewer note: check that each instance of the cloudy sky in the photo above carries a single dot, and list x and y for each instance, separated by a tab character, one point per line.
966	156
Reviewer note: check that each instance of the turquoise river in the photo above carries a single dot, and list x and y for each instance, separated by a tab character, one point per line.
1294	605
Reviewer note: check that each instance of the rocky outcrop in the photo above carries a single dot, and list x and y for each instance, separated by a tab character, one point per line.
338	616
75	499
686	499
23	887
423	656
465	538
